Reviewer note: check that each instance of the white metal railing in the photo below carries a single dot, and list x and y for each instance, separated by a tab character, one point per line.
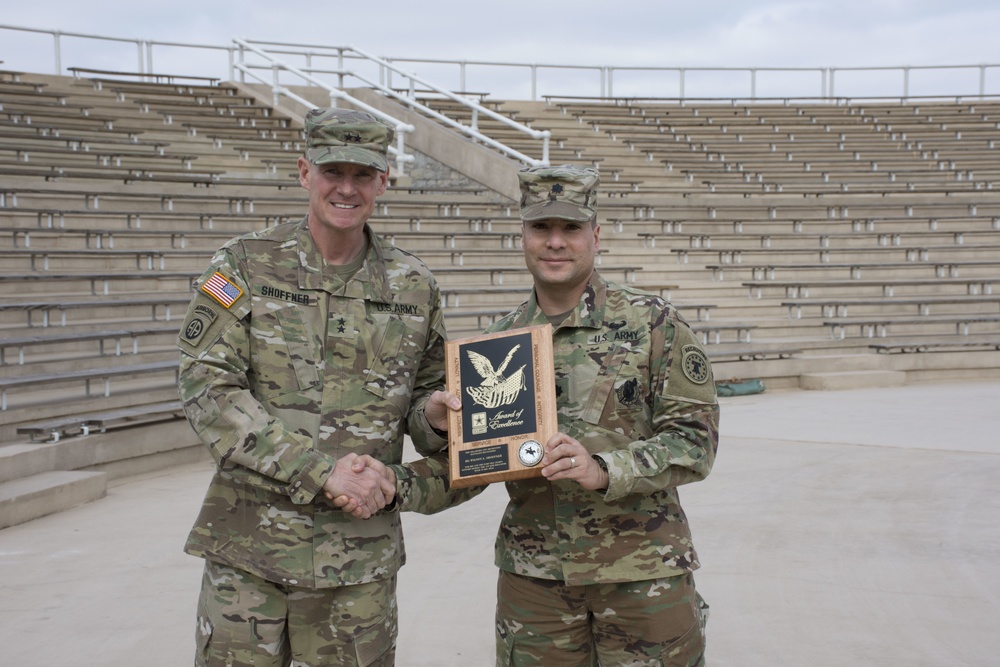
680	83
385	73
143	47
747	84
276	67
505	80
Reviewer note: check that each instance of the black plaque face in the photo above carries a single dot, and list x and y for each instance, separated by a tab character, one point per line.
498	379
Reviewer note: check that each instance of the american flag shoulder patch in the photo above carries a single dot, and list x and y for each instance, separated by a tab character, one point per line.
220	289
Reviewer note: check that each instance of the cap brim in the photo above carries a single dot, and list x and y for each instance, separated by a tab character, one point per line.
556	209
352	154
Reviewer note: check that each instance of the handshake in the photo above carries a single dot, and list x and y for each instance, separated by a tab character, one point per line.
360	485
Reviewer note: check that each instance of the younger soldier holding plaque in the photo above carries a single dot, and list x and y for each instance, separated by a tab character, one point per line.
596	557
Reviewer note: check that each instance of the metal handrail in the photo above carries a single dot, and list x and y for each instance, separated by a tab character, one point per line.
144	47
780	100
476	109
606	84
276	66
829	78
386	69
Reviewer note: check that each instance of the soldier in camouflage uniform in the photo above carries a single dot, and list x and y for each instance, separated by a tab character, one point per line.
309	346
596	558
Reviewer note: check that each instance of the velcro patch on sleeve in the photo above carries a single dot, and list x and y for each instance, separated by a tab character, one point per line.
691	371
200	318
221	289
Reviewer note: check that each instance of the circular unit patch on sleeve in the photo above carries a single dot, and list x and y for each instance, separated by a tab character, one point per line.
695	364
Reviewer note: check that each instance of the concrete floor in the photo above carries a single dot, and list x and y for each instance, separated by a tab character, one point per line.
856	527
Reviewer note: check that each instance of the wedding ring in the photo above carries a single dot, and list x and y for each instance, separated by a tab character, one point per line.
572	462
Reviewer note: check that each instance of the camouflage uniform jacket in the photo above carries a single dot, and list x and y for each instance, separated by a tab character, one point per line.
285	369
634	386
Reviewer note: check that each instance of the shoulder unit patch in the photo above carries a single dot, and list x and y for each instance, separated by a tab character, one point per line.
695	364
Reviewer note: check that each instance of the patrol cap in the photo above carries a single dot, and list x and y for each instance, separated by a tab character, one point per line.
566	191
346	135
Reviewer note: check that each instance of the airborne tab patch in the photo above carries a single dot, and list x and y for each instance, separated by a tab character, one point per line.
200	319
219	288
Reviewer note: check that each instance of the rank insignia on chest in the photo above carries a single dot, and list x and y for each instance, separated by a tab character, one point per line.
341	326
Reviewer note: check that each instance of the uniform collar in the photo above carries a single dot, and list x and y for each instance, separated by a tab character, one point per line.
588	314
370	282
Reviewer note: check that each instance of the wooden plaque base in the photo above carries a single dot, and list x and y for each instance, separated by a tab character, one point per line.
506	382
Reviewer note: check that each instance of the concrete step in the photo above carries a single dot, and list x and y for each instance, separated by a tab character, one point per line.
852	380
46	493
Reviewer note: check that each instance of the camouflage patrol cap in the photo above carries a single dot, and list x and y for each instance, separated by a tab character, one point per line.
345	135
565	191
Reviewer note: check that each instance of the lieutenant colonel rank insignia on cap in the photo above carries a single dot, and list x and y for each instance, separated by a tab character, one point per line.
220	289
566	191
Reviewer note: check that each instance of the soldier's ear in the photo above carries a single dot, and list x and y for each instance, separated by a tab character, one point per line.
383	182
304	167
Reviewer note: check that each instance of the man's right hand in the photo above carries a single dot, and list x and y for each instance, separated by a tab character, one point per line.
349	505
360	485
437	408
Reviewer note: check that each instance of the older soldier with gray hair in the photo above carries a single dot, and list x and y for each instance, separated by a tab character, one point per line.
307	347
596	557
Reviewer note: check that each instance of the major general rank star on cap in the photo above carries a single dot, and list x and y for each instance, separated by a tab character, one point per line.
346	135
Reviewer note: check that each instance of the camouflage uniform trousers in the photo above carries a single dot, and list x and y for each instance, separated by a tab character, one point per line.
652	623
246	621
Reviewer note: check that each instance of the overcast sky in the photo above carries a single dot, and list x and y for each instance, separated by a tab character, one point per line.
664	33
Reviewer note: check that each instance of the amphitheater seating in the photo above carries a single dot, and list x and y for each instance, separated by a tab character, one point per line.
941	344
888	287
107	342
101	252
148	308
157	77
878	326
795	238
86	378
783	199
838	306
53	430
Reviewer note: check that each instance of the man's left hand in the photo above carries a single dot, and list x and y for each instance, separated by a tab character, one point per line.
566	458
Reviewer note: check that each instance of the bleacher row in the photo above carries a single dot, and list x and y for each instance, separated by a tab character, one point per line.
888	209
799	240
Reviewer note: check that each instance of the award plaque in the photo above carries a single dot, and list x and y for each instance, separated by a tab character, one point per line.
506	382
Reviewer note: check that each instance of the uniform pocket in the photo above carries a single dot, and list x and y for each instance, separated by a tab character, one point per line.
688	650
504	646
203	640
618	394
285	357
396	360
372	645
